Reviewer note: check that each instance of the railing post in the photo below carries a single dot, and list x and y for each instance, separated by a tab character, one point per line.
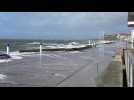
129	68
126	62
131	75
128	73
89	42
7	49
40	48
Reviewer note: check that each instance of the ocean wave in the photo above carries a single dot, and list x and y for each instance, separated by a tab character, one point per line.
18	55
34	43
74	52
5	60
2	76
66	46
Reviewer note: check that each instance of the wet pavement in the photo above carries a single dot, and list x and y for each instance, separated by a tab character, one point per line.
58	69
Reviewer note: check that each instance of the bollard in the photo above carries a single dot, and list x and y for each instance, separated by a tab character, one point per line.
40	48
94	43
89	42
40	54
7	48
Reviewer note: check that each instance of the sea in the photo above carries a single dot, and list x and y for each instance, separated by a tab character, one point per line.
18	44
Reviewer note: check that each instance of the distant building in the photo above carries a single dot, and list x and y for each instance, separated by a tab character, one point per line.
111	36
131	24
124	36
118	36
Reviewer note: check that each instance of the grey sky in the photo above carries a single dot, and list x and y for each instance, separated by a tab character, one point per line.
61	25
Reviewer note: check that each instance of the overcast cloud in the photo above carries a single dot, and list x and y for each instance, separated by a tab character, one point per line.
61	25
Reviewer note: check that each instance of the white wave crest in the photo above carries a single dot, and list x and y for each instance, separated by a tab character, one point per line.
5	60
34	43
15	55
2	77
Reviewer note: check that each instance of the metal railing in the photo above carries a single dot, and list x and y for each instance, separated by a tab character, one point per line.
129	63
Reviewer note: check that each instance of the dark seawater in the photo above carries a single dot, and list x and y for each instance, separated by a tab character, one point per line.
16	44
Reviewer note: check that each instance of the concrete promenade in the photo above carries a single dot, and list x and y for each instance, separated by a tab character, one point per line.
113	76
65	69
